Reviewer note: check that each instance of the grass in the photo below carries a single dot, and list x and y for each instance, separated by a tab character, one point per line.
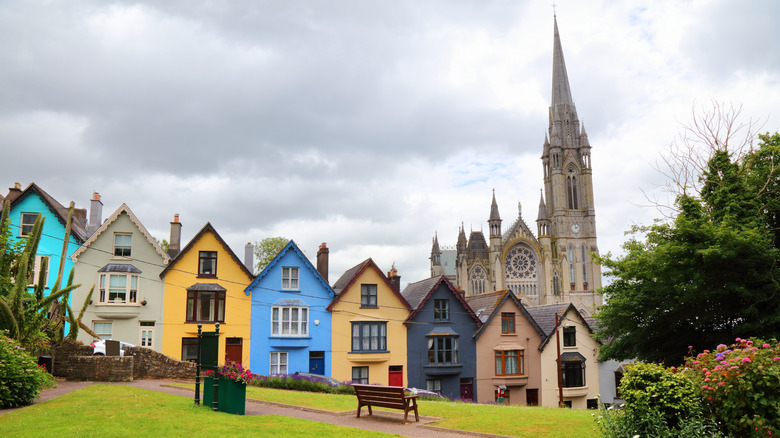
124	411
520	421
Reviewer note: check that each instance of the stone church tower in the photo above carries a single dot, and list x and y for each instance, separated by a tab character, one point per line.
555	265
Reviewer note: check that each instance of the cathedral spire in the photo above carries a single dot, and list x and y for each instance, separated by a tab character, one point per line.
495	220
561	93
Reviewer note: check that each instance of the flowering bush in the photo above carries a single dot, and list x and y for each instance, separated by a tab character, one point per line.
232	371
740	386
20	377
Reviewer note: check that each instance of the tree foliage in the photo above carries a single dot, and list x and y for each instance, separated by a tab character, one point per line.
267	249
710	274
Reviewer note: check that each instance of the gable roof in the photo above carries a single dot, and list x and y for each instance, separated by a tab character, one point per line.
491	302
545	317
110	220
417	294
348	278
208	228
77	229
291	246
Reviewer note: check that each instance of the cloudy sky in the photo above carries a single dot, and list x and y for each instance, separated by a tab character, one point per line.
368	125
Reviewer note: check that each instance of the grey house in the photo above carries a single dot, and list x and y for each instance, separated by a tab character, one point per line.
441	350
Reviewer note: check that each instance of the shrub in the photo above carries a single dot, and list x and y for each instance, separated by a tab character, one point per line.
300	383
20	377
740	386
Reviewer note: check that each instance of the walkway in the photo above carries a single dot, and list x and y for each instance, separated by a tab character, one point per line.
380	421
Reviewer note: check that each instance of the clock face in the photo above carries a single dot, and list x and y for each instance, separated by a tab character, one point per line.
575	228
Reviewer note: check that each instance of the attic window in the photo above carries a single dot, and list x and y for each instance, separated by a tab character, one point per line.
28	220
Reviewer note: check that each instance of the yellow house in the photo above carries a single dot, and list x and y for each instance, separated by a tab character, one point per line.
368	335
204	284
579	353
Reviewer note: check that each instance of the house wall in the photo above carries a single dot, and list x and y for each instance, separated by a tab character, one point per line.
238	308
390	309
491	339
125	317
587	347
266	292
461	323
51	238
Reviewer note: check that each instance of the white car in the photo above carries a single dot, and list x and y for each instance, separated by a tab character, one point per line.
100	348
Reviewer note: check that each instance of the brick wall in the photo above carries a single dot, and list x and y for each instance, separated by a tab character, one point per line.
75	361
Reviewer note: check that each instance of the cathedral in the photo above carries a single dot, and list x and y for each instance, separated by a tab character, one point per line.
555	264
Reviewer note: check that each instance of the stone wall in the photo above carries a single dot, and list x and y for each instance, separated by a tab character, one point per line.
75	361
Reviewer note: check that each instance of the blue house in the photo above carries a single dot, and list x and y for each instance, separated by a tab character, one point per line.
24	209
440	339
290	324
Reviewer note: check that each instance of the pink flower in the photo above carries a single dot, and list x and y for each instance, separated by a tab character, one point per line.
721	383
766	346
746	359
776	358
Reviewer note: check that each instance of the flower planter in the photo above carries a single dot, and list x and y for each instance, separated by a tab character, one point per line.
232	395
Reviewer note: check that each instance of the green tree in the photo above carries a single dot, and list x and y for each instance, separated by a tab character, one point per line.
710	274
267	249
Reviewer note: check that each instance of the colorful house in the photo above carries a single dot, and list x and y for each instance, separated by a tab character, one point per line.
368	332
578	357
440	339
290	321
204	284
122	262
507	355
25	208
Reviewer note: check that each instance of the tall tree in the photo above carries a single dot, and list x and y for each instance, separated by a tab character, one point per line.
267	249
706	277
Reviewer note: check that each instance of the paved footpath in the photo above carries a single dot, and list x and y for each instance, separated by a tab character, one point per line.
380	421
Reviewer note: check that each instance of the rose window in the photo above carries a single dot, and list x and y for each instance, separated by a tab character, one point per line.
520	263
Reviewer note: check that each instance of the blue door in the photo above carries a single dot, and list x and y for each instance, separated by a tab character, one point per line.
317	362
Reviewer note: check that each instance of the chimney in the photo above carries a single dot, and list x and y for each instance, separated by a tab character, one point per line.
95	213
322	261
249	257
174	245
395	279
14	192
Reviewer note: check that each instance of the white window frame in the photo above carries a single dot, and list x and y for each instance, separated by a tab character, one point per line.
290	278
279	363
129	246
131	289
102	333
361	373
146	332
289	321
433	385
23	224
37	271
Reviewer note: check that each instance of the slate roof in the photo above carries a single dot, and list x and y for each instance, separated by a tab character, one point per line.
477	247
207	228
417	294
77	228
107	224
291	246
120	267
492	301
545	317
349	277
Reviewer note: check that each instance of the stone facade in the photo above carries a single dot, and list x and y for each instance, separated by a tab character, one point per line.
74	361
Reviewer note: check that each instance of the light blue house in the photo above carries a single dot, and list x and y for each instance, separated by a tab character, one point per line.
24	209
290	324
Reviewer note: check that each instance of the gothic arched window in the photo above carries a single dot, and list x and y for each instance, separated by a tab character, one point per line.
572	194
478	279
521	266
571	266
584	269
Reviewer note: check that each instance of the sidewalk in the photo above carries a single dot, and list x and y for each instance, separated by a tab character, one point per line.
380	421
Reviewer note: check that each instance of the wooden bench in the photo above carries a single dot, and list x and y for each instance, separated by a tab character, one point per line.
386	397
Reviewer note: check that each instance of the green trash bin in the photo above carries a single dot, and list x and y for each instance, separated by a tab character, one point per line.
232	395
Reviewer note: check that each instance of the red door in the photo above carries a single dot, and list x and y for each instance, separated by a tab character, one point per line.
233	350
467	389
396	376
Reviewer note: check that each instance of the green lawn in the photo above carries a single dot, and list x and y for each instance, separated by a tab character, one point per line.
124	411
518	421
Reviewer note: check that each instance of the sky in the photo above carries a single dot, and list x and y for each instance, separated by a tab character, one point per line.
369	125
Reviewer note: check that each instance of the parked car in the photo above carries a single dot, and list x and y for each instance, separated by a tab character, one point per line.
99	348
